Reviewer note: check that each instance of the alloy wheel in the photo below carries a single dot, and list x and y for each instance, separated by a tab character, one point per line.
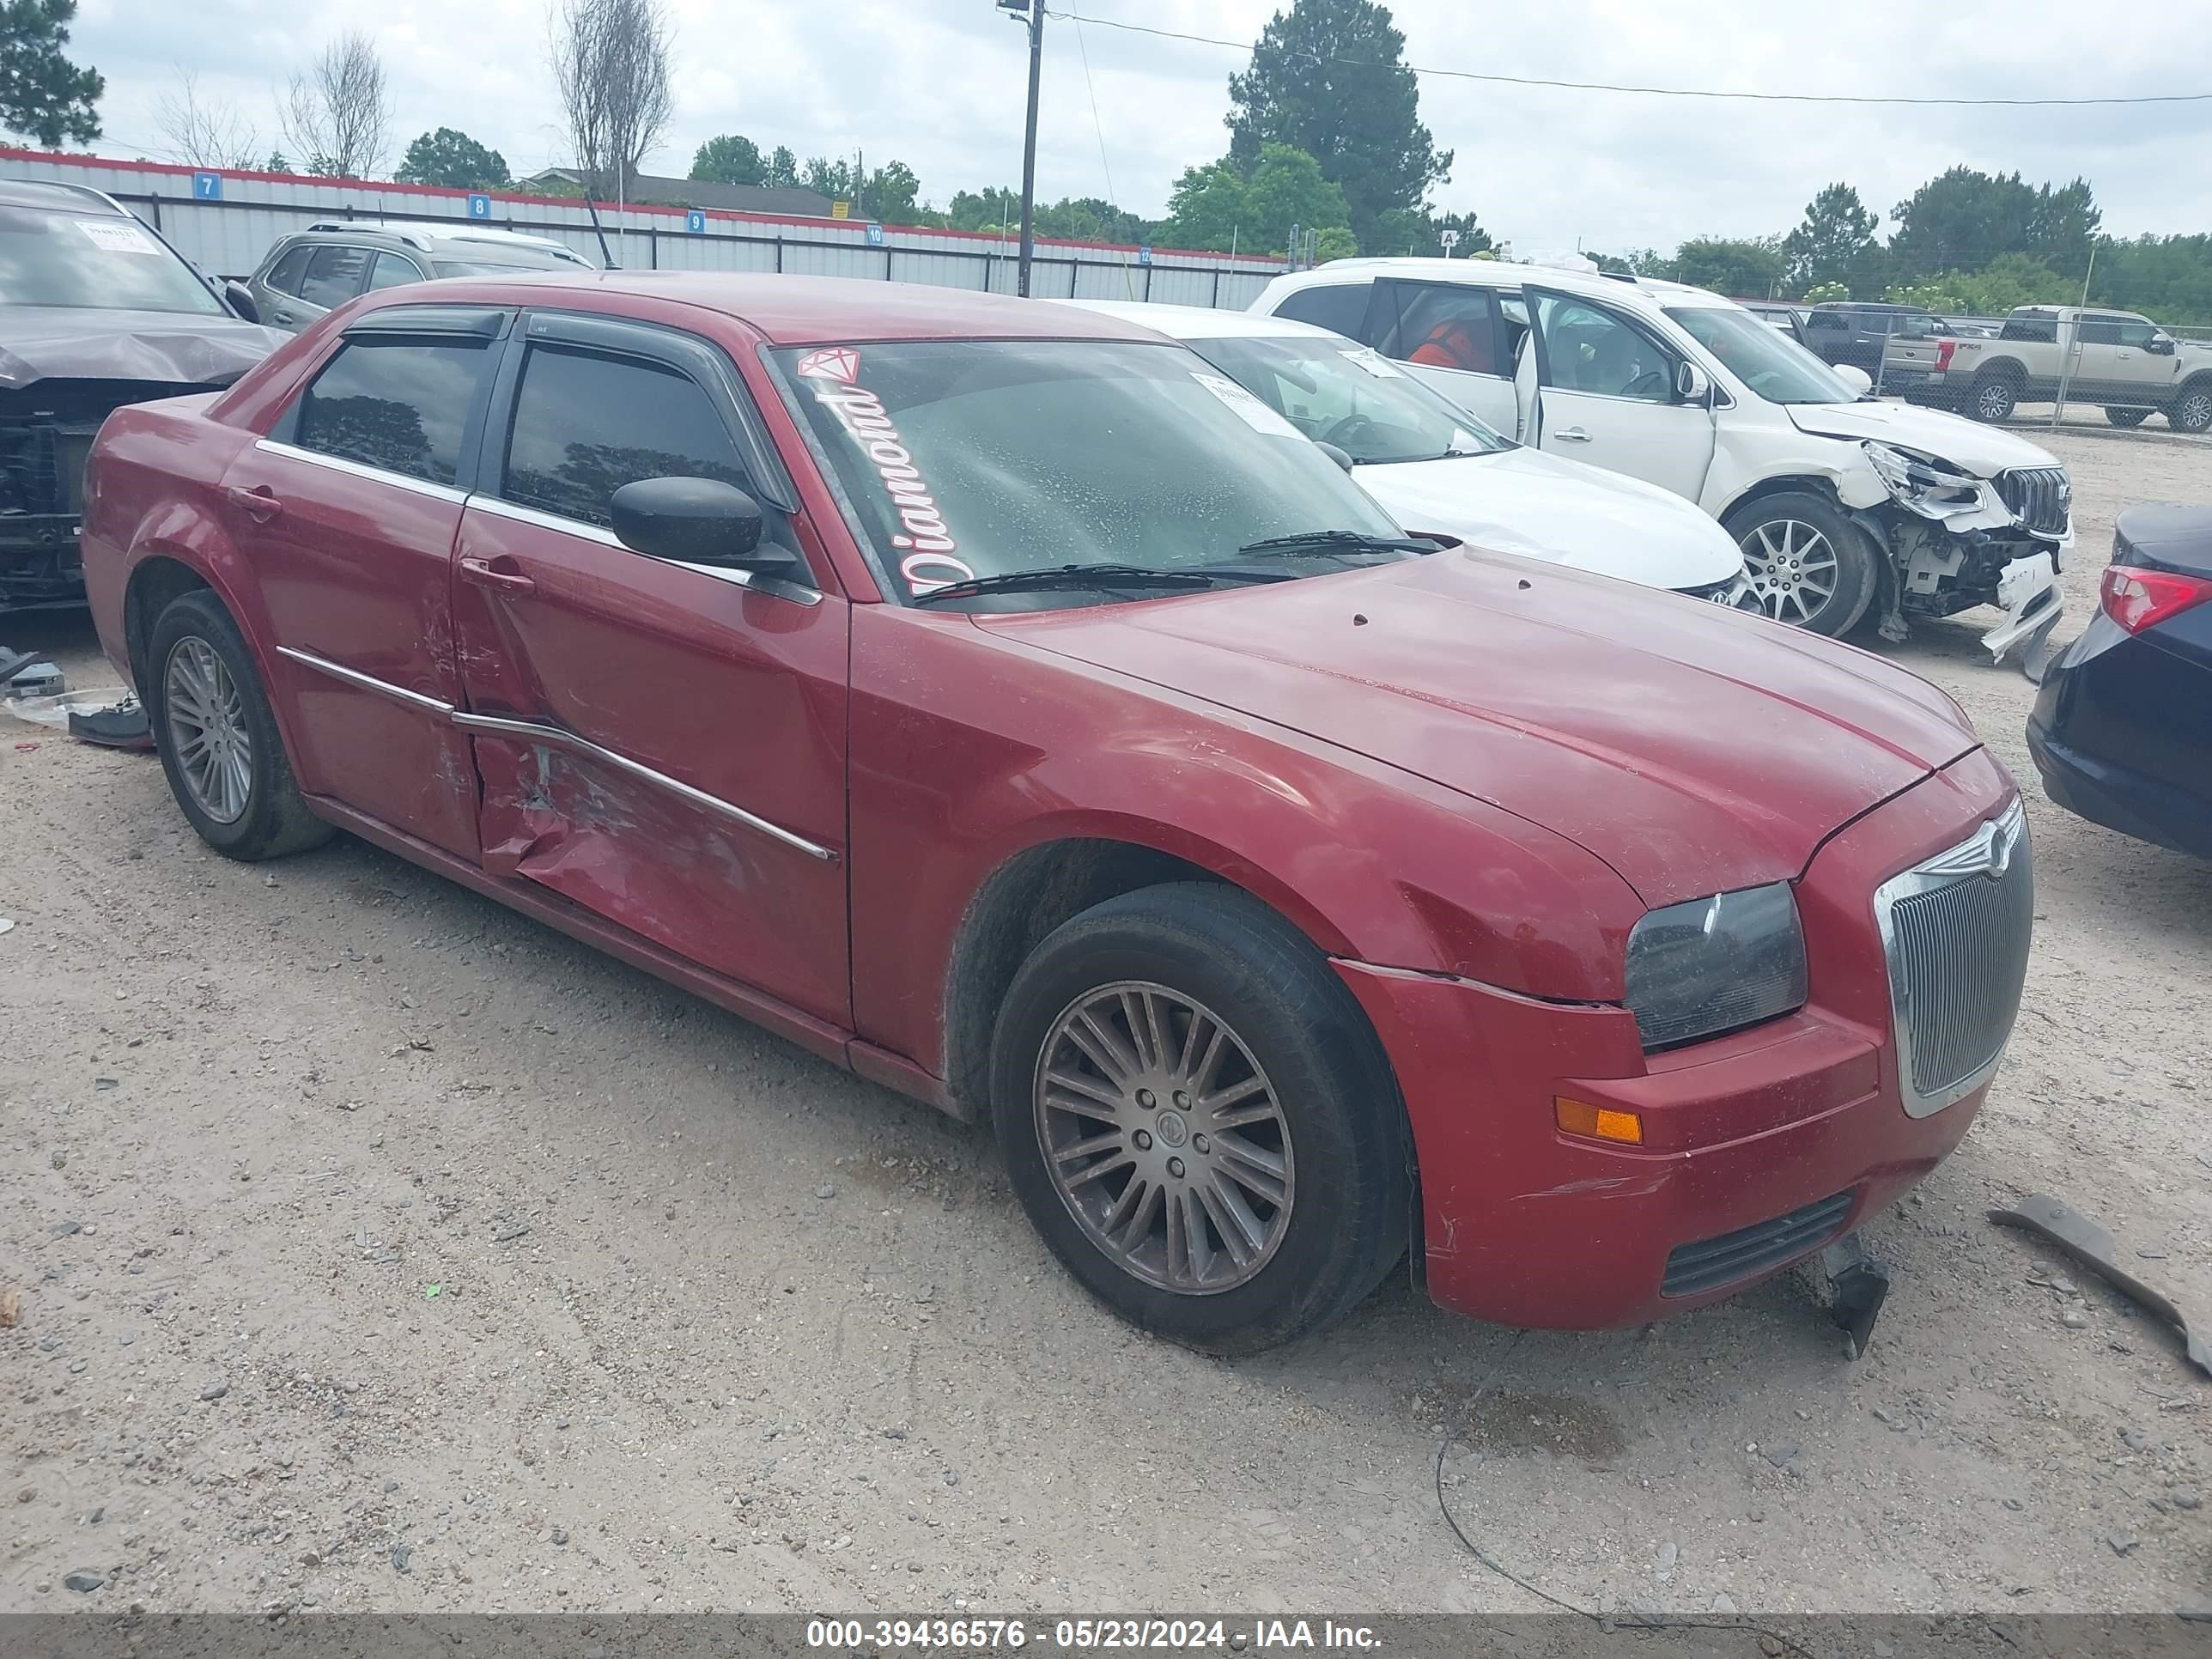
1164	1138
206	717
1792	569
1995	401
2195	413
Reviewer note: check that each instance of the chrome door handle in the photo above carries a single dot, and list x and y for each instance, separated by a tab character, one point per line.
484	572
1572	435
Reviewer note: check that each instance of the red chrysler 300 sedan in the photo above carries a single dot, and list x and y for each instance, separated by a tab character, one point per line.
992	698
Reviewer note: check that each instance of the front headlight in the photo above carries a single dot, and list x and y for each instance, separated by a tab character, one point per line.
1933	488
1716	964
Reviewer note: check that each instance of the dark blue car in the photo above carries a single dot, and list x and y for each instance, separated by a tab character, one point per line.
2122	731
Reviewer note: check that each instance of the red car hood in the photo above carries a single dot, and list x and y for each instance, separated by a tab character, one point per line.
1692	748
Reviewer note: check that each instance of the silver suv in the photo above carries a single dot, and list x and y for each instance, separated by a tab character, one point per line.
319	268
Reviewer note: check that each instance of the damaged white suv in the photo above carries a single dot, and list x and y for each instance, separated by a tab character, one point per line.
1845	507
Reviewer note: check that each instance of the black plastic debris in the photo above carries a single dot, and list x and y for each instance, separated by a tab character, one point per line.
120	725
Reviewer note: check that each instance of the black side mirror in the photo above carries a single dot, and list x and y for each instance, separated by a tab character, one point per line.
240	299
2161	346
698	521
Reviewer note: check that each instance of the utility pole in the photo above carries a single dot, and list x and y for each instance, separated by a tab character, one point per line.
1034	11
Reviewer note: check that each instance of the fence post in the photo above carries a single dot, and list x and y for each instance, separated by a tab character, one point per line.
652	248
779	253
1216	301
153	199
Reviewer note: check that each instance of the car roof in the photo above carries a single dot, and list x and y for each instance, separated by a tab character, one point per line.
801	310
1500	273
41	193
430	238
1199	322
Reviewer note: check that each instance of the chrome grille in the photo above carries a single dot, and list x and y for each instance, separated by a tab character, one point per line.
2041	497
1956	931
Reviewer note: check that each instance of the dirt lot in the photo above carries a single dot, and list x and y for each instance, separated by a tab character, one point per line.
381	1250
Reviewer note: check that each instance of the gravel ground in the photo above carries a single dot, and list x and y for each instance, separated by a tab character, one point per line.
379	1248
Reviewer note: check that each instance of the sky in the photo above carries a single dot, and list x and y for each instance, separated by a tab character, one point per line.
940	85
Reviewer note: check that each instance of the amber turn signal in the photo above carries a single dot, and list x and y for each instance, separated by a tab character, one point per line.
1579	1117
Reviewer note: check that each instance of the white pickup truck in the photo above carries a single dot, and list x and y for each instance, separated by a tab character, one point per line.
2128	363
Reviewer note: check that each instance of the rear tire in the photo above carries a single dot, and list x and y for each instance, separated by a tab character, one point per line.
2126	417
1992	398
1809	567
1117	1030
2192	410
217	738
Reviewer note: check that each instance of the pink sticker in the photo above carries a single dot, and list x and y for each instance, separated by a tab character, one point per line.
839	364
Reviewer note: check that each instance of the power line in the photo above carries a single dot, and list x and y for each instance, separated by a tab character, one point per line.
1661	91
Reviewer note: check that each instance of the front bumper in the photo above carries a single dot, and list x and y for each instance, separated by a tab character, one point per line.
1785	1135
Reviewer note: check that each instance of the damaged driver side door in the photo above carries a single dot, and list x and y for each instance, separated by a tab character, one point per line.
662	743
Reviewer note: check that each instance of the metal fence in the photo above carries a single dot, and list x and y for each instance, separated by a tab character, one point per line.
225	221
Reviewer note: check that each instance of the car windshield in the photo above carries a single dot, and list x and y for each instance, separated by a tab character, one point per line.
964	459
1349	396
1769	362
94	259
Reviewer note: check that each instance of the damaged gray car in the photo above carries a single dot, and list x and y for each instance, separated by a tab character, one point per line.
96	311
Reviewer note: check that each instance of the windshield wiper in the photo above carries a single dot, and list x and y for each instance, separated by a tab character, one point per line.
1314	544
1107	576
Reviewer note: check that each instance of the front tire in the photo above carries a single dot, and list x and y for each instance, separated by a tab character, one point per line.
1993	397
2126	417
1198	1120
2192	410
217	738
1808	566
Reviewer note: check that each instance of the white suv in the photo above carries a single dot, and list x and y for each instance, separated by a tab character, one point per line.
1844	506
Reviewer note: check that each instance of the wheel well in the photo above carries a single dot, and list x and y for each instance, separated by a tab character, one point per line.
1019	903
154	585
2004	369
2200	381
1824	488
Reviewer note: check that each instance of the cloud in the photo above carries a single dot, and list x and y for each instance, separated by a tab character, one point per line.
940	84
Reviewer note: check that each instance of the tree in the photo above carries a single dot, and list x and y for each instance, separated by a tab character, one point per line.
1205	209
1088	219
731	159
1962	219
42	94
454	160
827	178
1287	189
338	111
1752	267
1834	243
889	192
991	208
610	61
204	132
1220	208
277	162
1329	77
782	169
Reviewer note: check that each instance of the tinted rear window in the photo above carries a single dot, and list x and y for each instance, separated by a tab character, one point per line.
284	276
334	275
1338	306
400	405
